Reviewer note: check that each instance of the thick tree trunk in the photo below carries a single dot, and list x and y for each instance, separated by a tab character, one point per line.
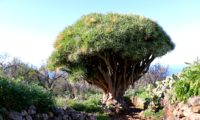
115	74
115	100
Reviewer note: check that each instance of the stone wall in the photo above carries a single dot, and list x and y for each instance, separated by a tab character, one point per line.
56	114
184	111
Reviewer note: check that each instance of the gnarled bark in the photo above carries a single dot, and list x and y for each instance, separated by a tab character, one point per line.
114	75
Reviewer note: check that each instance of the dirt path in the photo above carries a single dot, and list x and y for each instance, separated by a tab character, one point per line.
130	114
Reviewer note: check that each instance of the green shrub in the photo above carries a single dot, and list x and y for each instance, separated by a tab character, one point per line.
189	82
16	96
101	116
61	101
91	105
154	115
140	92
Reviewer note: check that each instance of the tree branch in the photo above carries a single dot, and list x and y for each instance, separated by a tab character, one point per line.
105	58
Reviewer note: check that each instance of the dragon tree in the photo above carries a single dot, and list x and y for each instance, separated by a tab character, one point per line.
111	51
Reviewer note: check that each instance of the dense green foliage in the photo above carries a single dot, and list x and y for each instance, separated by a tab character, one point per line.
130	36
90	105
111	51
17	96
189	82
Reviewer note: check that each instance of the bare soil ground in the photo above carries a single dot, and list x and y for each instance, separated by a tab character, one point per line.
130	114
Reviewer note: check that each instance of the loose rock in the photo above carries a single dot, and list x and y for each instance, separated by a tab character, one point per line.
15	115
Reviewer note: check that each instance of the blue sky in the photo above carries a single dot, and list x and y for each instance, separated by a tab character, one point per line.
28	28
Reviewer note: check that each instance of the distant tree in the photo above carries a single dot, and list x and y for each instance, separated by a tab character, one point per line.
156	72
50	80
111	51
19	70
3	58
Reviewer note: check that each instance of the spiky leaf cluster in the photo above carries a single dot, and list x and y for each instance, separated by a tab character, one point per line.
127	36
189	82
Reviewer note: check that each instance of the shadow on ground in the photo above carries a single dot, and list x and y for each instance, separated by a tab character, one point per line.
130	114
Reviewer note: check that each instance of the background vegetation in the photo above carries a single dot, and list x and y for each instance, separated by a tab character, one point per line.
47	91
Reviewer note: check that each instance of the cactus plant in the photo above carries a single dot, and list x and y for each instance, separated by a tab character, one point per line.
162	90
